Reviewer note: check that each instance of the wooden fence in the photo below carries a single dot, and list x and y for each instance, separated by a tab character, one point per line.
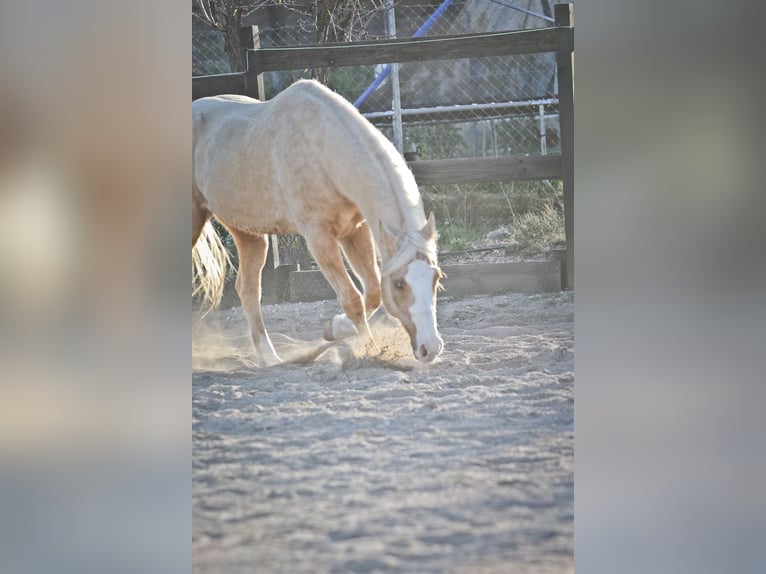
558	39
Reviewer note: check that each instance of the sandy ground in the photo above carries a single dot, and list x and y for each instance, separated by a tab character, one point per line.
355	463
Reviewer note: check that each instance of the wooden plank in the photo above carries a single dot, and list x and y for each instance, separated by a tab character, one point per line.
462	280
448	47
489	278
203	86
311	286
565	71
478	170
276	284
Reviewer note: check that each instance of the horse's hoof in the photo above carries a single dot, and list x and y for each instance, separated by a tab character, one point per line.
270	361
340	327
371	349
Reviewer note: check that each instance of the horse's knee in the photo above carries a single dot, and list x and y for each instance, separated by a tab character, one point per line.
354	307
372	299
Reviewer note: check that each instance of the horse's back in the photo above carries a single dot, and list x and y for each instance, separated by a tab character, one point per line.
304	113
302	93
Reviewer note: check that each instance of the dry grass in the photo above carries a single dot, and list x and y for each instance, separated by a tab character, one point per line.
525	216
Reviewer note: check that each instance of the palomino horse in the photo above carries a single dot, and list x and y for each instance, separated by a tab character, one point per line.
308	162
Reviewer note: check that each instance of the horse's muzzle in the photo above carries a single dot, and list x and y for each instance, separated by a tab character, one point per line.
428	351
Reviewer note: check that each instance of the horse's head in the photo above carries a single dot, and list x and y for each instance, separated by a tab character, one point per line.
409	282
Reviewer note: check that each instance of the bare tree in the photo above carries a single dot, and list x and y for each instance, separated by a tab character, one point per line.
227	17
336	21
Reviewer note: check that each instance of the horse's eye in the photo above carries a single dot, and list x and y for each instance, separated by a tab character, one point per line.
398	284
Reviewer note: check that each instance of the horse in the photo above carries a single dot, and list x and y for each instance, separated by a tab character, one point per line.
307	162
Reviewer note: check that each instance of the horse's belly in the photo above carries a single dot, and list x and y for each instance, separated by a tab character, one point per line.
247	205
254	215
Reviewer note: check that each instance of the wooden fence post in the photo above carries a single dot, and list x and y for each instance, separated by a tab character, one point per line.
565	71
253	76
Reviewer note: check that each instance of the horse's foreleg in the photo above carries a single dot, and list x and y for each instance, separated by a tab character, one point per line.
252	251
360	252
326	252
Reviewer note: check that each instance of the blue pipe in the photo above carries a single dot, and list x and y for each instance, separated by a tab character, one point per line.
387	69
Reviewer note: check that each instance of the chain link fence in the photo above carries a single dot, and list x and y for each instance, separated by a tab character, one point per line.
456	108
473	107
208	56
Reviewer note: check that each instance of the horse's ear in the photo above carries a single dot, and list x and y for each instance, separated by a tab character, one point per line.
429	230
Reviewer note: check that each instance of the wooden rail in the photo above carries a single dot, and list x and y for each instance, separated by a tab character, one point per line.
446	47
485	169
203	86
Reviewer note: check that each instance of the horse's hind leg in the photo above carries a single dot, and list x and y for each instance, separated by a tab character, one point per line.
200	215
360	252
324	248
252	251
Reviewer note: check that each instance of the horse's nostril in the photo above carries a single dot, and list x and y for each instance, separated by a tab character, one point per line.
423	351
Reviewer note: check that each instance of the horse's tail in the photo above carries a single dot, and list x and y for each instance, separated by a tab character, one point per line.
210	261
